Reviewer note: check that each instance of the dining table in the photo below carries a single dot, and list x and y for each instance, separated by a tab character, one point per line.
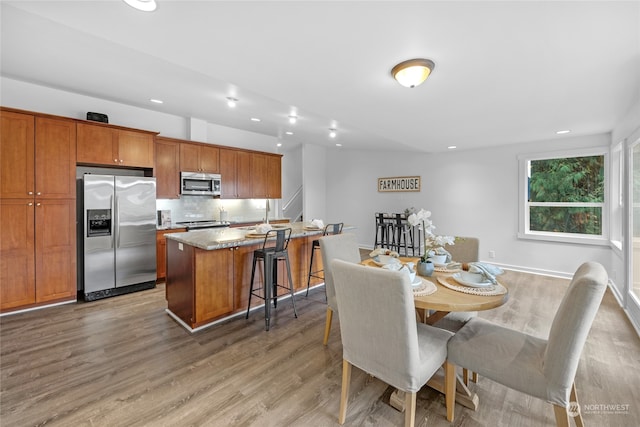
437	296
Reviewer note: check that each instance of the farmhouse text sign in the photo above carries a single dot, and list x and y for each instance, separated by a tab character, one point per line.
399	183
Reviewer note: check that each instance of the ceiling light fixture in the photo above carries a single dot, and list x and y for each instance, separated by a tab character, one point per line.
289	133
156	101
255	119
562	132
231	102
293	119
452	147
413	72
332	133
338	145
279	144
143	5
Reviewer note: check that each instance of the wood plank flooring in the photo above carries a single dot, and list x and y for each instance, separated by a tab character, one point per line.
124	362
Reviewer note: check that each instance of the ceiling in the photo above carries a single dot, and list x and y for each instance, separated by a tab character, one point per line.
506	72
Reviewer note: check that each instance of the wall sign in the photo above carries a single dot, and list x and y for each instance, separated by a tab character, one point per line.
399	183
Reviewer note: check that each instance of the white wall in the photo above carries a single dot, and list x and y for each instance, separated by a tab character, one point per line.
314	170
470	193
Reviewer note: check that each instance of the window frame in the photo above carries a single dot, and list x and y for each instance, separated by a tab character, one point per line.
524	231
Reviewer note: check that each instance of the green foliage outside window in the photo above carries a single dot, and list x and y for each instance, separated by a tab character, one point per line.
567	180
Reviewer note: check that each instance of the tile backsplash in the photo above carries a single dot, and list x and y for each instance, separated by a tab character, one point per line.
198	208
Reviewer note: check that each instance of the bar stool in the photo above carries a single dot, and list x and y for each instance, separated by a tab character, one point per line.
329	229
383	231
270	255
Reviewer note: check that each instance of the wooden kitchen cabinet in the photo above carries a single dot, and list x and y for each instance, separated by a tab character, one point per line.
103	144
266	178
167	169
195	157
38	157
198	286
242	266
38	252
161	251
38	210
235	168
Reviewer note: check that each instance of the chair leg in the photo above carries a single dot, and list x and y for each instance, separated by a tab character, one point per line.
574	398
310	271
253	274
450	389
465	376
327	326
293	300
562	416
474	377
346	381
409	409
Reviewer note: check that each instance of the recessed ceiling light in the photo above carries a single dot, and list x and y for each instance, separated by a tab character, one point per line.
231	102
289	133
293	119
143	5
452	147
156	101
338	145
562	132
279	144
332	133
255	119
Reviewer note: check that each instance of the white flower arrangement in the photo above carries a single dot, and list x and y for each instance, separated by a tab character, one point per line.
433	244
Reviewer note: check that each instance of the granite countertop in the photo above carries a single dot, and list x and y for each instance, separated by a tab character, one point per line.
219	238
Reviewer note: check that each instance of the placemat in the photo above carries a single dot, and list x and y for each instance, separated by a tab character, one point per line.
425	288
450	282
446	270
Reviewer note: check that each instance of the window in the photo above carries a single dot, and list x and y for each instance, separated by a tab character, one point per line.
564	196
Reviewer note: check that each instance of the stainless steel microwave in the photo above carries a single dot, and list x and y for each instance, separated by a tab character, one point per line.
200	184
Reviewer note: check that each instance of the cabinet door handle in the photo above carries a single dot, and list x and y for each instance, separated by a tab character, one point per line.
38	194
30	193
115	160
38	204
30	204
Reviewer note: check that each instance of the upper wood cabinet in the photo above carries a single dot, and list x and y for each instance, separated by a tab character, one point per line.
167	168
266	176
110	146
235	168
37	157
199	158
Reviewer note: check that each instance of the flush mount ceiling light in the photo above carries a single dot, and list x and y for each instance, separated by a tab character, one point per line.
231	102
332	133
143	5
413	72
293	119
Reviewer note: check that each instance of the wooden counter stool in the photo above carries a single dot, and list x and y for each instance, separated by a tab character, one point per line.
270	255
329	229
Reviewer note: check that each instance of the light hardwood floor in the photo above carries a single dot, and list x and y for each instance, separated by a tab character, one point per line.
124	362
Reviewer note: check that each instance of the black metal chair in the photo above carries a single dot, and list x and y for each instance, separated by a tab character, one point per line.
270	255
383	230
329	229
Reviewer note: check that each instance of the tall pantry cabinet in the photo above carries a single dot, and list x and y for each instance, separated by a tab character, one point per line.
37	210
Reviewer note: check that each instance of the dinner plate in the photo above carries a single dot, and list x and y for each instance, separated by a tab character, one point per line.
386	259
417	281
473	280
255	234
311	227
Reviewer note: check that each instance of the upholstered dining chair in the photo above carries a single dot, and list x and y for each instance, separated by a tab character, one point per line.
542	368
380	335
339	246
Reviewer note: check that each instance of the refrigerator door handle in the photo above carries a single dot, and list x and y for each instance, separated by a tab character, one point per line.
116	222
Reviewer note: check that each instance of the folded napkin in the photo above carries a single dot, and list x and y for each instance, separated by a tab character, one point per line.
263	228
487	270
383	251
317	223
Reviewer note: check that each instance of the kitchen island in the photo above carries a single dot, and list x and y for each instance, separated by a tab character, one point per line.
209	271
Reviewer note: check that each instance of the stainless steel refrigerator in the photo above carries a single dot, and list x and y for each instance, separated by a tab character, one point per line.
119	235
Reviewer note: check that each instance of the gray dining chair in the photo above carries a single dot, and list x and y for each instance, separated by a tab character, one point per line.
380	335
542	368
338	246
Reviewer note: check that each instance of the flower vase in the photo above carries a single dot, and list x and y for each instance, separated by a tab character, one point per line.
425	268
